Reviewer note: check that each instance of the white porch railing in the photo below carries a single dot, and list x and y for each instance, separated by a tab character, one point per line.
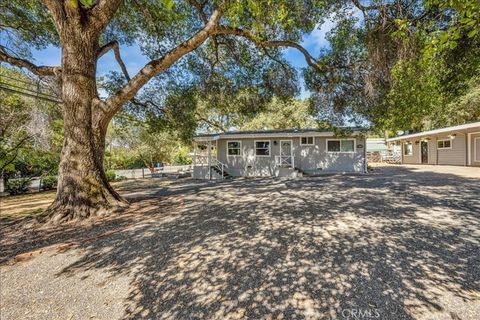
285	161
221	166
201	160
391	157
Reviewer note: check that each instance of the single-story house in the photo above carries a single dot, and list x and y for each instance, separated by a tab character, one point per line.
457	145
280	153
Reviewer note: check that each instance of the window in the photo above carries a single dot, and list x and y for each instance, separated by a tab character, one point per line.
444	144
306	141
234	148
344	145
262	148
408	149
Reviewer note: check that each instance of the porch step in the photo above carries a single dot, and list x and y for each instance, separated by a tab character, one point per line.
301	172
226	175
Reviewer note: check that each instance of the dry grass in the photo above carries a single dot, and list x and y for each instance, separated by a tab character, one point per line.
24	205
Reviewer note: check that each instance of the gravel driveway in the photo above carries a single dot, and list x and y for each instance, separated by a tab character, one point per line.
398	243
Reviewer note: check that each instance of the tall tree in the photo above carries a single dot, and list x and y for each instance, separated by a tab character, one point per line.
400	64
87	29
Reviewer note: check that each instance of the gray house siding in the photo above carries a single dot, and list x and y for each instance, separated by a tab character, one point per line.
464	147
452	156
456	155
308	158
432	151
475	149
414	157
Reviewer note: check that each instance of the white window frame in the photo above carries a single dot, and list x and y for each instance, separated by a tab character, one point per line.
348	152
307	144
234	155
269	148
403	151
442	140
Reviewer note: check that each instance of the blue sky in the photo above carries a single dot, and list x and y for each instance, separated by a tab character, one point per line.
135	60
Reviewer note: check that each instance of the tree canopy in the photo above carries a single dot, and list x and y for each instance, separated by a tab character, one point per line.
214	48
401	64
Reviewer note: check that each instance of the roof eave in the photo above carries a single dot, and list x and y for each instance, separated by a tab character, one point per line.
269	135
462	127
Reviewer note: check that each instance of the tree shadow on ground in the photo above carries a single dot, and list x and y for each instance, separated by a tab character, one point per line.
396	243
393	243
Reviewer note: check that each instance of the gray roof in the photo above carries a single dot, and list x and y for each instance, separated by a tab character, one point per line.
467	126
279	131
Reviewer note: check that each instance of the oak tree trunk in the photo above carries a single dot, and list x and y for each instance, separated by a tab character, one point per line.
83	190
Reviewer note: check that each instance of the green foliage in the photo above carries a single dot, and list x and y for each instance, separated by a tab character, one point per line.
17	186
49	182
282	115
463	19
385	70
111	175
182	157
31	129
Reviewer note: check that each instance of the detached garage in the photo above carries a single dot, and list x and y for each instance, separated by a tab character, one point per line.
458	145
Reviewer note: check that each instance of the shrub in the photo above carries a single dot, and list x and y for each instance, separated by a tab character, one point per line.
120	178
182	157
17	186
111	175
49	182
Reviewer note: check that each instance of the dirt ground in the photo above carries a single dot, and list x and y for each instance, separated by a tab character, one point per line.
398	243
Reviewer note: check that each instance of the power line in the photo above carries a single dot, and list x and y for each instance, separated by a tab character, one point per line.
29	94
30	81
28	90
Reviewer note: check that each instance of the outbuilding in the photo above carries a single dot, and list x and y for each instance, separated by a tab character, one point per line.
457	145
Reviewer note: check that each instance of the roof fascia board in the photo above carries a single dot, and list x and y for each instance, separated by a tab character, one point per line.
272	135
437	131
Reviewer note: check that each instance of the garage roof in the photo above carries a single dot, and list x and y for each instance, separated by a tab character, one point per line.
467	126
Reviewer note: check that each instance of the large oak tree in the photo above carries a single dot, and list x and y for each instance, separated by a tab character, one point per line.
167	31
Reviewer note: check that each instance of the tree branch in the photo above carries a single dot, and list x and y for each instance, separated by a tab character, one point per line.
22	63
154	67
199	8
56	9
224	30
369	7
210	122
103	11
113	45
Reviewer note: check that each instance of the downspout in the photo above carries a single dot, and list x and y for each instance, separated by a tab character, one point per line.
365	165
469	152
209	160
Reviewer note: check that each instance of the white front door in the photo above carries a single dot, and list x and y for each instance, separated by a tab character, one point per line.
286	152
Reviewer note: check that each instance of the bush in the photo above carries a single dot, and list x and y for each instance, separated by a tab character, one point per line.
120	178
182	157
111	175
49	182
17	186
